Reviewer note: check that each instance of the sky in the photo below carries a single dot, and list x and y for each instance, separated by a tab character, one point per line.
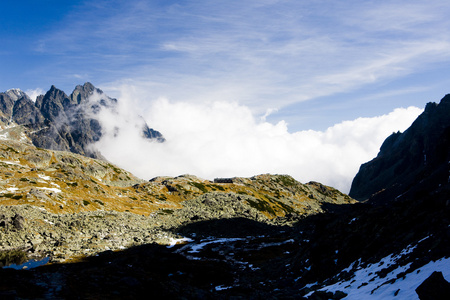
270	86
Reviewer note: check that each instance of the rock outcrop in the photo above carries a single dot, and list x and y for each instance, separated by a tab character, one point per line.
434	287
418	155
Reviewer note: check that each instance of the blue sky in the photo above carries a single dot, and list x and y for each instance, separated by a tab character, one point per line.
313	63
297	71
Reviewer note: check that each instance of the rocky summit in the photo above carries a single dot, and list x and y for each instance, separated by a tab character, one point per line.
57	121
76	227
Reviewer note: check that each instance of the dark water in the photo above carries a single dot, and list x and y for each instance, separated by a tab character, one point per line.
32	263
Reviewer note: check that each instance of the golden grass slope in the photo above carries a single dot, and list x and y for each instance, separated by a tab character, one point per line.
63	182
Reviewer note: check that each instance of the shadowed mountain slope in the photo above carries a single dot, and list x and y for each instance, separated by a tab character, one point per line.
421	154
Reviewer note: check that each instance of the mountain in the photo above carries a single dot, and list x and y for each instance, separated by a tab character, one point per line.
60	122
421	154
267	236
397	238
62	183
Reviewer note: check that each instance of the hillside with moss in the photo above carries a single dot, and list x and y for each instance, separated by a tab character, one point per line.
64	205
64	182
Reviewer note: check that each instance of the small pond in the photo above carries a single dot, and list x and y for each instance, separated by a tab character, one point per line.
32	263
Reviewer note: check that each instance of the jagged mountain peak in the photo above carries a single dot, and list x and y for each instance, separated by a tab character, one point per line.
54	91
53	96
87	86
57	121
16	94
83	92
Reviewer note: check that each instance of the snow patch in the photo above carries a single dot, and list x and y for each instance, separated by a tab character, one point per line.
44	177
423	239
196	248
173	241
17	163
222	287
24	138
50	189
264	245
367	285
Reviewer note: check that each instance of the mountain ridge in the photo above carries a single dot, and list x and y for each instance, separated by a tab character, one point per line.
57	121
419	153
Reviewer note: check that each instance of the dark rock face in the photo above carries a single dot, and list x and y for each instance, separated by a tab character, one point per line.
68	124
24	112
152	134
61	122
6	105
51	105
82	92
419	155
434	287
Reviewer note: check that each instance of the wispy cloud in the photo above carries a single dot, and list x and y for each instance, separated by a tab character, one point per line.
34	93
225	66
257	52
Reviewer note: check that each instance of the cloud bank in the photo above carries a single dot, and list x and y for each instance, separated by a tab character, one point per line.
225	139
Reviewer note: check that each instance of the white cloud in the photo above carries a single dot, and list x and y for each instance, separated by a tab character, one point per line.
253	52
265	55
221	139
34	93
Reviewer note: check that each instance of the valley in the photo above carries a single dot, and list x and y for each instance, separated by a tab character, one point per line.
104	233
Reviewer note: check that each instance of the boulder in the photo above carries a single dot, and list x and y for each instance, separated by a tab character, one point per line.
434	287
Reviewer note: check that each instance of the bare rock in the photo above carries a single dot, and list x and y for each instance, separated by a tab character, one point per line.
434	287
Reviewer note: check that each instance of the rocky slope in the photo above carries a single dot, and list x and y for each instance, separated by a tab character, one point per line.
421	153
72	205
268	236
60	122
64	182
398	238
